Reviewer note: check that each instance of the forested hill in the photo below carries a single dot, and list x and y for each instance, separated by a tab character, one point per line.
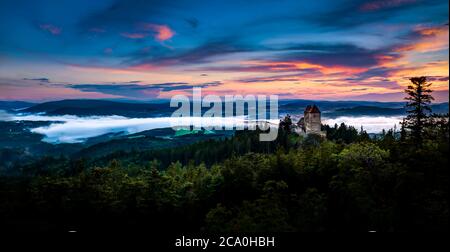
347	182
86	107
14	105
101	107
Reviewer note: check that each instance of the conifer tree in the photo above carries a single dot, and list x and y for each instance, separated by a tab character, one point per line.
418	107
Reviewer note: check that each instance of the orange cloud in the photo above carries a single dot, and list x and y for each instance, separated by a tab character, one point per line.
303	65
432	31
439	68
432	39
162	32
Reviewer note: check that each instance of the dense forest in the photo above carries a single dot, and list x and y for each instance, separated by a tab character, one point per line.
397	181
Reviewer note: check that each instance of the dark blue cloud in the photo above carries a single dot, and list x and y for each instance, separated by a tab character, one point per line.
196	55
437	78
331	54
326	33
87	28
46	80
193	22
338	55
353	13
121	14
136	91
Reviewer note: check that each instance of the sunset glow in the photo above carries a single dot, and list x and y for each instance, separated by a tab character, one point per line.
364	50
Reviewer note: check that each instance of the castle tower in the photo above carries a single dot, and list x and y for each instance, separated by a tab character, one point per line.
313	121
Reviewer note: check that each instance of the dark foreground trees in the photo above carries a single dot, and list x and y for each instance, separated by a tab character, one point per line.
346	182
365	185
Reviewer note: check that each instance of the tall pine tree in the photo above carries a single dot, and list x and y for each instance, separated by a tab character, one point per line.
418	107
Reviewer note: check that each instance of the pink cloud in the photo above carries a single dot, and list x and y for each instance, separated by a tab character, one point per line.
108	50
134	35
162	32
50	28
440	96
97	30
143	67
383	4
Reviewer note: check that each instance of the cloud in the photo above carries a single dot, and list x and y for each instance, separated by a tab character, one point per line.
46	80
120	14
267	79
124	90
370	82
337	55
362	44
138	91
384	4
356	13
282	59
134	35
108	50
281	77
162	32
197	55
35	90
369	123
426	39
437	78
74	129
261	67
289	58
440	96
380	72
141	16
193	22
4	116
97	30
51	29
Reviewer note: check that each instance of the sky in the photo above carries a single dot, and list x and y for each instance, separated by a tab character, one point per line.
154	49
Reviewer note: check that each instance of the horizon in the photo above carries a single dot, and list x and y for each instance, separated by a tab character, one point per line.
125	100
152	50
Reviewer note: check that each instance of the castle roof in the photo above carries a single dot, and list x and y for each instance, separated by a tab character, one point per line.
312	109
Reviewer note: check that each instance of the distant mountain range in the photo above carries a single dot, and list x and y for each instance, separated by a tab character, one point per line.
354	108
20	145
100	107
368	110
85	107
13	105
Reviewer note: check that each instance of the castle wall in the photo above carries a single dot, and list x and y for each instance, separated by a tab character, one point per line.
312	122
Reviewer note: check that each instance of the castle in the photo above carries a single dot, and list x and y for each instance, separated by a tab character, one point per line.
310	123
